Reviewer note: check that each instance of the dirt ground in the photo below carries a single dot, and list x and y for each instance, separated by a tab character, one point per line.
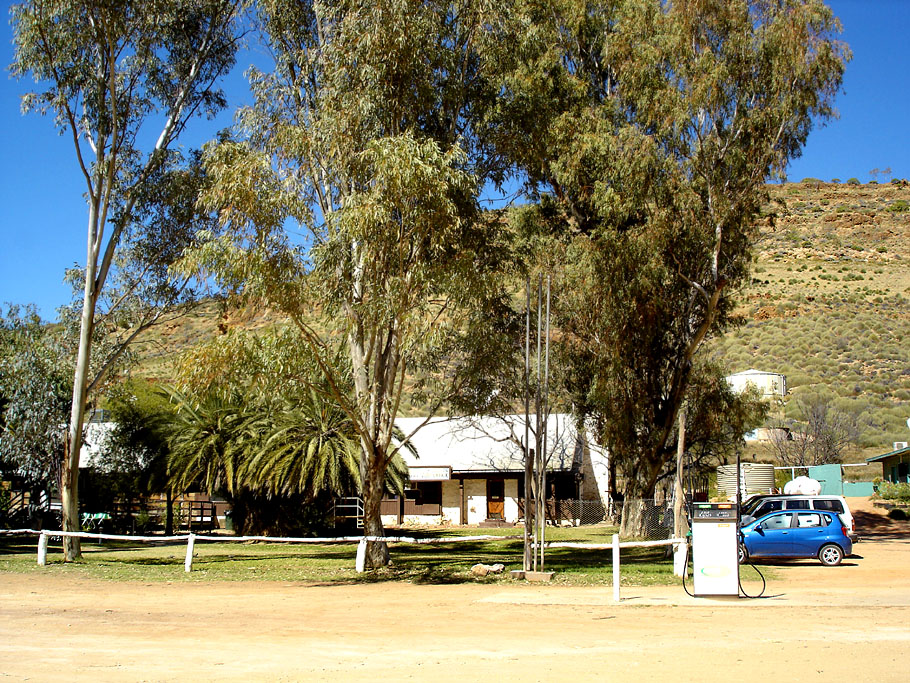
815	623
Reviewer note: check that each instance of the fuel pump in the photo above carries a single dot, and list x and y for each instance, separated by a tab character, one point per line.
715	542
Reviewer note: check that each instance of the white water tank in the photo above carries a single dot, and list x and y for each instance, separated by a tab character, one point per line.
755	478
805	486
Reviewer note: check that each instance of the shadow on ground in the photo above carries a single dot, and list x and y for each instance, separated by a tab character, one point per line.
877	525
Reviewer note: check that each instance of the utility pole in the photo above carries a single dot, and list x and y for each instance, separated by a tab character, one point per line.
536	459
529	464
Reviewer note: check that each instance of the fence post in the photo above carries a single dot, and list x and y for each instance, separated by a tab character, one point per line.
42	550
190	545
616	567
680	558
360	562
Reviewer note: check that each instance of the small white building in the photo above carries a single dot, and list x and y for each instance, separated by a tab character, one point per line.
471	470
770	384
94	442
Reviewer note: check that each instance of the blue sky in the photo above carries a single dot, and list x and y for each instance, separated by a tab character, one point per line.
43	216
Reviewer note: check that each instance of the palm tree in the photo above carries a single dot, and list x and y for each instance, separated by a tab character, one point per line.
206	442
309	445
263	452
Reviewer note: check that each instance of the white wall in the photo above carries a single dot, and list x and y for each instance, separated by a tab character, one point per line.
451	502
768	383
510	513
475	491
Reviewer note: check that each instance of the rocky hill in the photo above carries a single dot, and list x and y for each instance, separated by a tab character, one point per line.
829	302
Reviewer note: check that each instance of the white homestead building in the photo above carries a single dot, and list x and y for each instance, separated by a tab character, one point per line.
471	470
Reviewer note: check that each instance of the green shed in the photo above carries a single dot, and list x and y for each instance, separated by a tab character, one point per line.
895	465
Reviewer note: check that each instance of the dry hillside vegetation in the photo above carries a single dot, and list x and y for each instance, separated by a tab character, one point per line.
828	305
829	301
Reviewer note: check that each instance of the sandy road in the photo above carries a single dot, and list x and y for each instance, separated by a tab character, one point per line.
848	623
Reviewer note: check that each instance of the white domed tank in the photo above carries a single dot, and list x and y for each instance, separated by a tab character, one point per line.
755	478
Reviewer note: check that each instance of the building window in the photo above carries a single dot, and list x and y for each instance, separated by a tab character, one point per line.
429	492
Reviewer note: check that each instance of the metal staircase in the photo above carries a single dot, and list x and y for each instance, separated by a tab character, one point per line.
348	508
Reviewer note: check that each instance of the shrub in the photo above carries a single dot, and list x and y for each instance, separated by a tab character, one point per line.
853	181
899	206
891	491
835	180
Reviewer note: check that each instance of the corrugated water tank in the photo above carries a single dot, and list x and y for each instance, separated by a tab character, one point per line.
755	478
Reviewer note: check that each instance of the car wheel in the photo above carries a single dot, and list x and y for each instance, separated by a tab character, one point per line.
830	555
743	553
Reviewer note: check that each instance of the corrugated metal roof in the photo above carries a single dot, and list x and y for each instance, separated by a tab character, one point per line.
485	444
883	456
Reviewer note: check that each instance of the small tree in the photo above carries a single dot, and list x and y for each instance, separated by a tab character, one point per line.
133	460
821	434
34	398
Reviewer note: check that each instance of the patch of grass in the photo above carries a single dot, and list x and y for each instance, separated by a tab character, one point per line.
334	563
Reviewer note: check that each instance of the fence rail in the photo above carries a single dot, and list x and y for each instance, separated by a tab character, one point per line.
191	538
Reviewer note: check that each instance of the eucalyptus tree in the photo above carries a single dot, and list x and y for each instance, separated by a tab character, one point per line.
364	135
122	80
653	126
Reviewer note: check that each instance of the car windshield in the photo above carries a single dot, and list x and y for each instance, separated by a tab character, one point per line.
750	505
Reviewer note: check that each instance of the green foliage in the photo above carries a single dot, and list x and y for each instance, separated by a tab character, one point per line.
717	418
132	463
899	206
35	387
656	153
256	421
107	71
852	181
894	491
369	140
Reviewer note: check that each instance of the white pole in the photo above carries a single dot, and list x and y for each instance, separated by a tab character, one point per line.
680	557
190	544
616	567
361	560
42	550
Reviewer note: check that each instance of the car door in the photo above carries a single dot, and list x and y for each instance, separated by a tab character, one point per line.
809	533
772	536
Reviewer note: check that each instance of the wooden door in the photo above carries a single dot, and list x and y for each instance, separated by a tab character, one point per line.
496	498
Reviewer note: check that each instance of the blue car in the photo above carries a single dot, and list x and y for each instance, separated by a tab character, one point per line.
796	533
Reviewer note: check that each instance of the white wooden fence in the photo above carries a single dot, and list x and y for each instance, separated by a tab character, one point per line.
615	546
